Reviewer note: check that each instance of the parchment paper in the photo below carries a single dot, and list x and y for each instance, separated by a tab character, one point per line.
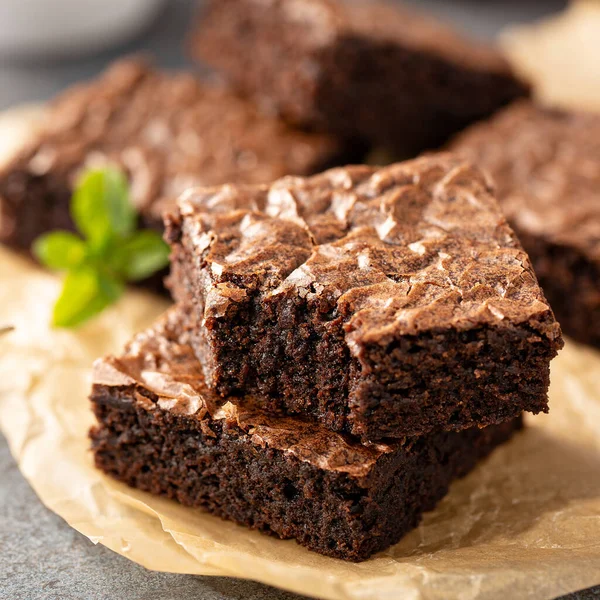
561	56
525	523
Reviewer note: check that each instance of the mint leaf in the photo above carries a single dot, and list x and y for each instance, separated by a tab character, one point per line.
141	255
60	250
111	253
101	208
86	292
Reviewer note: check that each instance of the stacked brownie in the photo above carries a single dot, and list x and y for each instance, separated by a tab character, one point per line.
343	347
160	430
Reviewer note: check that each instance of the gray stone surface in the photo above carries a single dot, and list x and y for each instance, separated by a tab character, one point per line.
41	557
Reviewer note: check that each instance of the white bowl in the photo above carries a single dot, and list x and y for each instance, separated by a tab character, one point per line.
30	28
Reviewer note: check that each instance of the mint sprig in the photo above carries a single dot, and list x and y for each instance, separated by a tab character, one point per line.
109	253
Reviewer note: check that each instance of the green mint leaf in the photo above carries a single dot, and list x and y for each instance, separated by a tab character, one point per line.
60	250
111	253
86	292
141	255
101	208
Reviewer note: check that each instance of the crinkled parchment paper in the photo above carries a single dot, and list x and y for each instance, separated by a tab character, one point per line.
561	56
525	523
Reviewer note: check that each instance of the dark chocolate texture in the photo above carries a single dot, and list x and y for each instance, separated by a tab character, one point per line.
356	67
383	302
546	168
161	430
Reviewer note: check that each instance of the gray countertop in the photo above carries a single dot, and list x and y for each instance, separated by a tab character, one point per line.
40	555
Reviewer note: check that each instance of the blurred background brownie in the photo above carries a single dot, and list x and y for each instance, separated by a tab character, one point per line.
167	131
546	167
383	302
368	69
159	430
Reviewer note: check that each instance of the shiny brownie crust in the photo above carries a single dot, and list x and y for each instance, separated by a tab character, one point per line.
379	302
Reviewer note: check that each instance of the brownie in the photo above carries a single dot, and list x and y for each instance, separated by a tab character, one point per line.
167	131
382	302
546	168
161	430
357	68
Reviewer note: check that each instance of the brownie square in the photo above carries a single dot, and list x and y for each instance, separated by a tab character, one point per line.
369	69
161	430
545	164
167	131
382	302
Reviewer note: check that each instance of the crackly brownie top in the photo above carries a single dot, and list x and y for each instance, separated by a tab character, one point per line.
161	362
411	247
325	21
546	166
169	131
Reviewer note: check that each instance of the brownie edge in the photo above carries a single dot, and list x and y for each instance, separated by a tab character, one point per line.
159	429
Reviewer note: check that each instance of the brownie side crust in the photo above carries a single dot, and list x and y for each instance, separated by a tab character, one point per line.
357	68
545	166
167	131
161	430
379	302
